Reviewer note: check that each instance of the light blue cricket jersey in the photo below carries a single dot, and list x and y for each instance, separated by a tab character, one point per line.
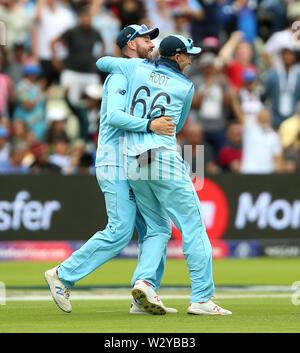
154	89
114	121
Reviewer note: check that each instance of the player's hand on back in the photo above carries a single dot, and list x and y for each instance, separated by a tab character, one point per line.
163	126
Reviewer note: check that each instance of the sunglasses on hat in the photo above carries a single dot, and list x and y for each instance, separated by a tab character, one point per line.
140	31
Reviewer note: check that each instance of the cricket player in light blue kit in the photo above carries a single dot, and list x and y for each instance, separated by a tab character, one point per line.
157	173
123	215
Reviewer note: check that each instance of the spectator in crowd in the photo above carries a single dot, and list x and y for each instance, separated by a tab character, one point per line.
207	24
211	44
83	43
51	19
14	164
277	10
180	21
30	100
131	11
58	41
77	149
200	158
60	153
160	15
107	24
174	19
226	17
237	55
230	156
81	160
246	20
41	164
210	101
190	10
238	15
17	22
163	14
87	111
5	122
289	132
281	39
282	87
4	143
76	5
258	136
19	130
56	122
6	94
208	45
13	65
248	100
86	164
20	133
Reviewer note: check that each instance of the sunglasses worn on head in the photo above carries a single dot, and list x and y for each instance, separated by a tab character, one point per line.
185	49
143	29
191	43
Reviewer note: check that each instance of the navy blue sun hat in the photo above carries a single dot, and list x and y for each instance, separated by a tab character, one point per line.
177	44
133	31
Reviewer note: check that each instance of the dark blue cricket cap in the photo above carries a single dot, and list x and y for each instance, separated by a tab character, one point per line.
133	31
177	44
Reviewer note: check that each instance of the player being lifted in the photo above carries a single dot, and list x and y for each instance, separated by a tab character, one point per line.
156	172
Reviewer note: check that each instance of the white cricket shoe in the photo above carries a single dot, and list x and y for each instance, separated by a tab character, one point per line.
136	308
207	308
59	292
143	292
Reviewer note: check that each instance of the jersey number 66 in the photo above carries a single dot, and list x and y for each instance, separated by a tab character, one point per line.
153	106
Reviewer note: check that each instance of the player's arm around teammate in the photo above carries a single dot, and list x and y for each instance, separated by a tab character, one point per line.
119	199
171	195
118	118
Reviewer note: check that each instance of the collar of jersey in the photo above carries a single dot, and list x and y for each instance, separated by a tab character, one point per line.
162	61
169	63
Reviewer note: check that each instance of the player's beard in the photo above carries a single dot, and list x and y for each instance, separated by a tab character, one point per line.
144	53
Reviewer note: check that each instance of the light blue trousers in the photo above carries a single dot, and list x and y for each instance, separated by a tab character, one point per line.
164	189
123	215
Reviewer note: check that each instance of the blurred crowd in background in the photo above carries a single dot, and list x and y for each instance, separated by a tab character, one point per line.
246	107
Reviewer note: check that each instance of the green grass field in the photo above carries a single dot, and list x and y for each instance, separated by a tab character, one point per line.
253	312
